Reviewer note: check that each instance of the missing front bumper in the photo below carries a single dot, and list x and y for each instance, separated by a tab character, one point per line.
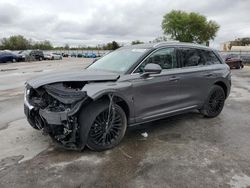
57	118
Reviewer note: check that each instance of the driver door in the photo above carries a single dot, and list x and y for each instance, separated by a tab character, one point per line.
156	94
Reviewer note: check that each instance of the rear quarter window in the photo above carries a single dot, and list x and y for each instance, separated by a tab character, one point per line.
211	58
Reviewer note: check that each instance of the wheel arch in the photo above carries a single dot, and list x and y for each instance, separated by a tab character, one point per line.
118	99
223	86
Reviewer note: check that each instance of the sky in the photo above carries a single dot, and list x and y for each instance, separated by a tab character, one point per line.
92	22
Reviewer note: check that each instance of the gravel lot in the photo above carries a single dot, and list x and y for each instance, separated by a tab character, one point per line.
182	151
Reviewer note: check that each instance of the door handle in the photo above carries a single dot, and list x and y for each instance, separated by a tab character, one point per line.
174	79
208	74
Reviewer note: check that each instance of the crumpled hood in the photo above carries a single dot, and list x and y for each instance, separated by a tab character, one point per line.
83	75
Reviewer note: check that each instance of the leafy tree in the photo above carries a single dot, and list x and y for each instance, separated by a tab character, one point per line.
189	27
66	47
136	42
17	42
44	45
160	39
111	46
240	42
244	41
115	45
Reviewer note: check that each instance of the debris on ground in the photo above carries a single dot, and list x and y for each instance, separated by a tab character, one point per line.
124	153
145	134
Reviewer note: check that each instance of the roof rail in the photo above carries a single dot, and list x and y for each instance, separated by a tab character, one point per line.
166	42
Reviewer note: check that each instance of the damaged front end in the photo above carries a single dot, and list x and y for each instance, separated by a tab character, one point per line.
54	108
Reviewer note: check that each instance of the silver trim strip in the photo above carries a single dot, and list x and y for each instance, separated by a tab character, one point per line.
170	112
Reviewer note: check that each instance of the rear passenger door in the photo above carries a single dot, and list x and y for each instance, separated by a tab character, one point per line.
193	77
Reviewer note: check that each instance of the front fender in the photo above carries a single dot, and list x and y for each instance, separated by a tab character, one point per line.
122	90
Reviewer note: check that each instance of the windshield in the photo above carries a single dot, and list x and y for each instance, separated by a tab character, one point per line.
118	61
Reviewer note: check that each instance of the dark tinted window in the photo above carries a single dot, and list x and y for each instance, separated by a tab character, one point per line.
211	58
36	52
166	58
191	57
6	53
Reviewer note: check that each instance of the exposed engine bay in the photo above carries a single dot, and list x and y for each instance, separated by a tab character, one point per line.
54	110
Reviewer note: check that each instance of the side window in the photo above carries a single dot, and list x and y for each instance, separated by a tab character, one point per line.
32	53
166	58
211	58
191	57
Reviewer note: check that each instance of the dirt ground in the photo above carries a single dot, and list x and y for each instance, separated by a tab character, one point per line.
182	151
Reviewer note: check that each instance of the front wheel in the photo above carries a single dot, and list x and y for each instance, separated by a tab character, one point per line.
107	125
214	103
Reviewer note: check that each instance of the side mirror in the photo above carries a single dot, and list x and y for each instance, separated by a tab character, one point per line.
152	68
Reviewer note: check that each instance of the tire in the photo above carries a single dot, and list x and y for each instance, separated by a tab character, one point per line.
40	58
14	60
214	103
238	66
95	132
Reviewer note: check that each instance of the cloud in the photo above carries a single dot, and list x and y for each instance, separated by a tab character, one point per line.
8	14
84	22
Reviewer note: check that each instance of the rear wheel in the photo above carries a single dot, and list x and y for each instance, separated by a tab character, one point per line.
14	60
238	66
214	103
107	125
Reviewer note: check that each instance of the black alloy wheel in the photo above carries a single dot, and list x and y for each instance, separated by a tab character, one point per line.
102	125
215	102
106	128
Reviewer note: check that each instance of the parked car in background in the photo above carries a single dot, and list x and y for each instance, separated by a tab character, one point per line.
47	56
37	54
26	55
90	55
65	54
73	54
79	55
52	56
6	56
129	86
32	55
22	55
233	61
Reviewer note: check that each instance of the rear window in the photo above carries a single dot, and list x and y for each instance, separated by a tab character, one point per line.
196	57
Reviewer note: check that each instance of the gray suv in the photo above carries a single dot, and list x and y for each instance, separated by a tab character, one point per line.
129	86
